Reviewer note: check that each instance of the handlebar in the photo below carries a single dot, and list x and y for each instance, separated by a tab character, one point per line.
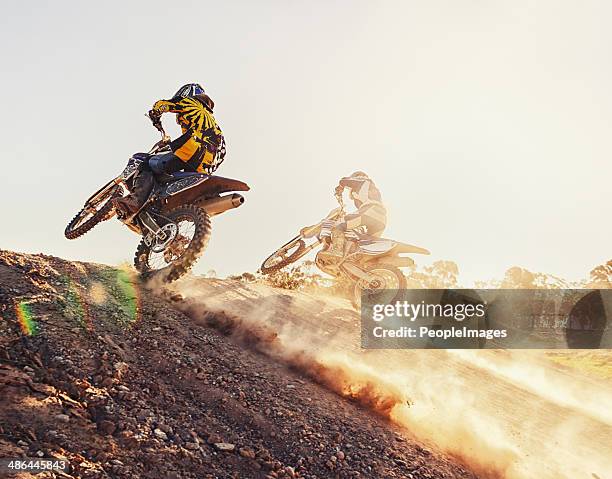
165	139
340	202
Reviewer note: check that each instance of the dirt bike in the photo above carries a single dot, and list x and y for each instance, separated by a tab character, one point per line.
174	221
373	266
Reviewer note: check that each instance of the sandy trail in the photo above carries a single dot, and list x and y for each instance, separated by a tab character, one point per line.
506	414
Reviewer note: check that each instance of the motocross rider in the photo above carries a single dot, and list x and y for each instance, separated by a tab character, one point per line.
200	146
371	214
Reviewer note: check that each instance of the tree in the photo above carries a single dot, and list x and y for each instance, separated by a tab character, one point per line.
600	277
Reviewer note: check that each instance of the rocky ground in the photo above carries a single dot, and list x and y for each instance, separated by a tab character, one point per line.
99	370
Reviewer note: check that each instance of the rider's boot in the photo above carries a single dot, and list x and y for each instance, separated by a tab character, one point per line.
128	205
143	184
350	243
349	247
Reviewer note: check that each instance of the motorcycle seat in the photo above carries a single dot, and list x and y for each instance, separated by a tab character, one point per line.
366	237
166	178
372	244
376	245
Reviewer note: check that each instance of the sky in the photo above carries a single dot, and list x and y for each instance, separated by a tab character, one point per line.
485	124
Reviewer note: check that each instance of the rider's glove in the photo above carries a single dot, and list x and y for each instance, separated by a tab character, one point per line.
154	114
339	189
155	117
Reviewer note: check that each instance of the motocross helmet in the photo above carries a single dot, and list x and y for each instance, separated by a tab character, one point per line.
189	90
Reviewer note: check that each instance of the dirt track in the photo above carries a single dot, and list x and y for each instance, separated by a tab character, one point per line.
505	413
115	378
134	382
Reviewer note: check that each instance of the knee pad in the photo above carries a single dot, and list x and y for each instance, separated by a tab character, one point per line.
326	228
351	235
156	165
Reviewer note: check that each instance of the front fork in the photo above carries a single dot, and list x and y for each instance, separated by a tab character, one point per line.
95	199
312	246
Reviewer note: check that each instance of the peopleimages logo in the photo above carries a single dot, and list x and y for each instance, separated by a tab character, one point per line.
411	311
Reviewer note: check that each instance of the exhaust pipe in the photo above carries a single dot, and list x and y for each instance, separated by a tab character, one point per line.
216	206
358	272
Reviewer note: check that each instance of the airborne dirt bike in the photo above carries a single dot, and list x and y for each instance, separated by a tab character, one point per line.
372	267
174	221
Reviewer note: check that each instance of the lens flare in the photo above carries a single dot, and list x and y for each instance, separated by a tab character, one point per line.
28	325
77	305
129	294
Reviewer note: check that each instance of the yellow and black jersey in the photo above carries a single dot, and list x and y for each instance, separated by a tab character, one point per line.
201	137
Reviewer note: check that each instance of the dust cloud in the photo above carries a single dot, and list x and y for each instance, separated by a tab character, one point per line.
504	415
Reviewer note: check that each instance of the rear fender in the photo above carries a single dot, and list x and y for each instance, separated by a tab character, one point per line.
408	248
213	186
398	261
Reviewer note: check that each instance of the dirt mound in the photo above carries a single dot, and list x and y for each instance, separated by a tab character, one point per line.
120	381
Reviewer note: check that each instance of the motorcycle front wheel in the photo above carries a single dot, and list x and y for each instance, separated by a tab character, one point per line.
189	229
285	255
92	214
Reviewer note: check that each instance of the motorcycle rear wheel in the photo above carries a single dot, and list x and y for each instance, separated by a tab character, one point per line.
91	215
285	255
177	256
391	280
